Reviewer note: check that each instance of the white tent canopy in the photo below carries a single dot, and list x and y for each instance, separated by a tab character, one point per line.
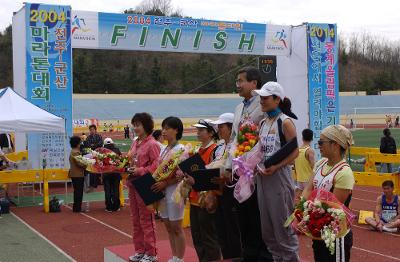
19	115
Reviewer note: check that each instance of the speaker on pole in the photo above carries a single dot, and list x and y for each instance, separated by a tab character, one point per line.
267	67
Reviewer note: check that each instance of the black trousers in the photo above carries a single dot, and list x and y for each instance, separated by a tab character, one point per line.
111	191
126	135
77	184
253	246
94	180
204	234
322	254
228	225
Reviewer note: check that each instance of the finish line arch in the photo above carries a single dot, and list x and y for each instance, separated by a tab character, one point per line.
45	35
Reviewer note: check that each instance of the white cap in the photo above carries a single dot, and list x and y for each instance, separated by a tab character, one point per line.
206	123
269	89
224	118
108	141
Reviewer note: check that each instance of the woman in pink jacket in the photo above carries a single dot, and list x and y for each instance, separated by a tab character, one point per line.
144	154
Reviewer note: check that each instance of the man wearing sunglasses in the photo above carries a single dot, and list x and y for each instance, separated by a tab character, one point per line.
254	249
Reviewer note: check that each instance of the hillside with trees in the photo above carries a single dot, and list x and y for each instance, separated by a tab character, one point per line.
366	63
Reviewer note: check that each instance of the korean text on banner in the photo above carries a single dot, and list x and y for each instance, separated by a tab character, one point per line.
322	77
49	77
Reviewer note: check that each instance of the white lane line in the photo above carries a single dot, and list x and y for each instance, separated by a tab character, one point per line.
43	237
365	200
376	253
386	233
104	224
369	191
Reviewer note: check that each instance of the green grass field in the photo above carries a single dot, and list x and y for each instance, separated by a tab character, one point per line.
372	137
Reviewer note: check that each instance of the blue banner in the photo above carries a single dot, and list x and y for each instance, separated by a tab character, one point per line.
323	78
49	77
153	33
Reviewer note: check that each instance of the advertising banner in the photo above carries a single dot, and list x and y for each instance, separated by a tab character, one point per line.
322	77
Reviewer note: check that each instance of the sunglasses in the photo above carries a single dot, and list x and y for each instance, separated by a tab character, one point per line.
321	142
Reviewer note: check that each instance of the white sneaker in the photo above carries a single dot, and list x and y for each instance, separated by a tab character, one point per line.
147	258
173	259
389	229
136	257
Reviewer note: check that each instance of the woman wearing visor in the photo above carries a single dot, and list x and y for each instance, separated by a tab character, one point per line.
202	221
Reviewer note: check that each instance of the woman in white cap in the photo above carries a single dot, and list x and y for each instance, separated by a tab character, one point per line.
275	186
333	174
202	223
227	217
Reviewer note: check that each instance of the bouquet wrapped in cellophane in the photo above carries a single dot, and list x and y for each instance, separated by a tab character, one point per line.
322	217
103	160
169	165
247	156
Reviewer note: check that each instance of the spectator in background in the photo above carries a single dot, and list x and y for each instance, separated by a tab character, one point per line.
93	141
76	172
83	137
304	163
126	131
386	217
387	121
4	161
159	138
396	122
111	181
6	143
388	146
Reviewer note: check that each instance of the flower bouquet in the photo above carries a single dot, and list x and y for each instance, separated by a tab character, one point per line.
247	155
170	164
103	160
247	137
322	217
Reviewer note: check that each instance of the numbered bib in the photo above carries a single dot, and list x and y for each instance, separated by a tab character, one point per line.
269	145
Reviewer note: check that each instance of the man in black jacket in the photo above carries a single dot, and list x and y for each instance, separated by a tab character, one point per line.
93	141
111	181
6	144
388	146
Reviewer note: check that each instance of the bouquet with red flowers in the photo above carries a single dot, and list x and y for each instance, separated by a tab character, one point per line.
247	156
103	160
322	217
247	137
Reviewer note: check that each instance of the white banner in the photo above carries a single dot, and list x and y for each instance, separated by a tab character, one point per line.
85	29
277	40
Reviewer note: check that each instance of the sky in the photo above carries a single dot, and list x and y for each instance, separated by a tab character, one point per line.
379	18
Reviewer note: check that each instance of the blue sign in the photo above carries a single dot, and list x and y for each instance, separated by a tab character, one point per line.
153	33
49	76
322	77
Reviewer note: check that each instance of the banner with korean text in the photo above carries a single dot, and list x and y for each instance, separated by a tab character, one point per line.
323	78
174	34
49	77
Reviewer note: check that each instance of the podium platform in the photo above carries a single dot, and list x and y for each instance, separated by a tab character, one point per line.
122	253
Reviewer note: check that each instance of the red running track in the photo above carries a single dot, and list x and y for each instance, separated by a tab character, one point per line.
83	236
